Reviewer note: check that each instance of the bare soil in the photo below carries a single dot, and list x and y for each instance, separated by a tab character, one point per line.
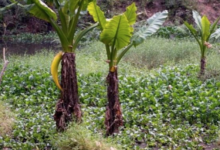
178	14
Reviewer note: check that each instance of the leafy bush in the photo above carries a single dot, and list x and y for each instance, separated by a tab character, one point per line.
173	32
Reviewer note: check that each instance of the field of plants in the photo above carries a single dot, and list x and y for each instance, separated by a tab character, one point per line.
115	84
167	107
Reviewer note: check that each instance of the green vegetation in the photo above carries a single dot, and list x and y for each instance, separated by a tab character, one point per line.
167	99
165	107
118	36
68	13
7	120
78	137
202	36
29	38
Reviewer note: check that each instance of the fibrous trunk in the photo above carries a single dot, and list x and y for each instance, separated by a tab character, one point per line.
202	66
68	106
113	116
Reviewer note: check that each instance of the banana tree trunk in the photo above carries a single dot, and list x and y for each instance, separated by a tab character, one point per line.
202	65
68	107
113	116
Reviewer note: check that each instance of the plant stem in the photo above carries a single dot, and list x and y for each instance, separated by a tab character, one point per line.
113	116
68	106
202	65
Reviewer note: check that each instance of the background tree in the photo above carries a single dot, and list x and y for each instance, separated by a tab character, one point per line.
68	106
202	35
117	35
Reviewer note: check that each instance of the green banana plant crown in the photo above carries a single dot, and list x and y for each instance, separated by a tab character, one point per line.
117	32
68	13
204	30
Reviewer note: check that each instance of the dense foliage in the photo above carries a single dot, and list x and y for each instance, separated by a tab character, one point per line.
169	108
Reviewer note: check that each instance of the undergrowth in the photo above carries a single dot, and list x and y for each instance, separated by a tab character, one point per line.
78	137
169	108
153	53
166	107
7	120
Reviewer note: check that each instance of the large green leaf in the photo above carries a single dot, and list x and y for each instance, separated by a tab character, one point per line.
117	32
97	14
155	22
131	13
42	11
205	28
197	19
216	34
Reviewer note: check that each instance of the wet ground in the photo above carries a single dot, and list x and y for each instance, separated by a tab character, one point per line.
21	49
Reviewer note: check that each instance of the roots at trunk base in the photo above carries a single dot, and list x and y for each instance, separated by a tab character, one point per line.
68	107
113	116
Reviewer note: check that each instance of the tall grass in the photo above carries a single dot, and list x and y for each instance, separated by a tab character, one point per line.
7	120
153	53
159	51
78	137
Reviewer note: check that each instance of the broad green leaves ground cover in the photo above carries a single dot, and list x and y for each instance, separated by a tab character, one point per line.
169	108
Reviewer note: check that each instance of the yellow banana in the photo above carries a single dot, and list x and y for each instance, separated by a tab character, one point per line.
54	69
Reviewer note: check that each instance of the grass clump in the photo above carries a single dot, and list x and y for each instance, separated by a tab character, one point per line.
78	137
7	120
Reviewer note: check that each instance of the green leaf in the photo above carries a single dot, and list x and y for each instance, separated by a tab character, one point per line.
117	32
197	19
193	32
205	28
123	52
85	4
97	14
155	22
73	23
70	7
42	11
190	27
82	33
131	13
213	27
216	34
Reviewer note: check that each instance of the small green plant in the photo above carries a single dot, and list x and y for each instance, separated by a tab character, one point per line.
202	35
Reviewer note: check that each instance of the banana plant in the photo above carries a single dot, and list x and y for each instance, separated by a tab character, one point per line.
68	11
117	35
205	30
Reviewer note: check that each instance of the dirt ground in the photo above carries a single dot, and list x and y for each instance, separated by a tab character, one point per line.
210	8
